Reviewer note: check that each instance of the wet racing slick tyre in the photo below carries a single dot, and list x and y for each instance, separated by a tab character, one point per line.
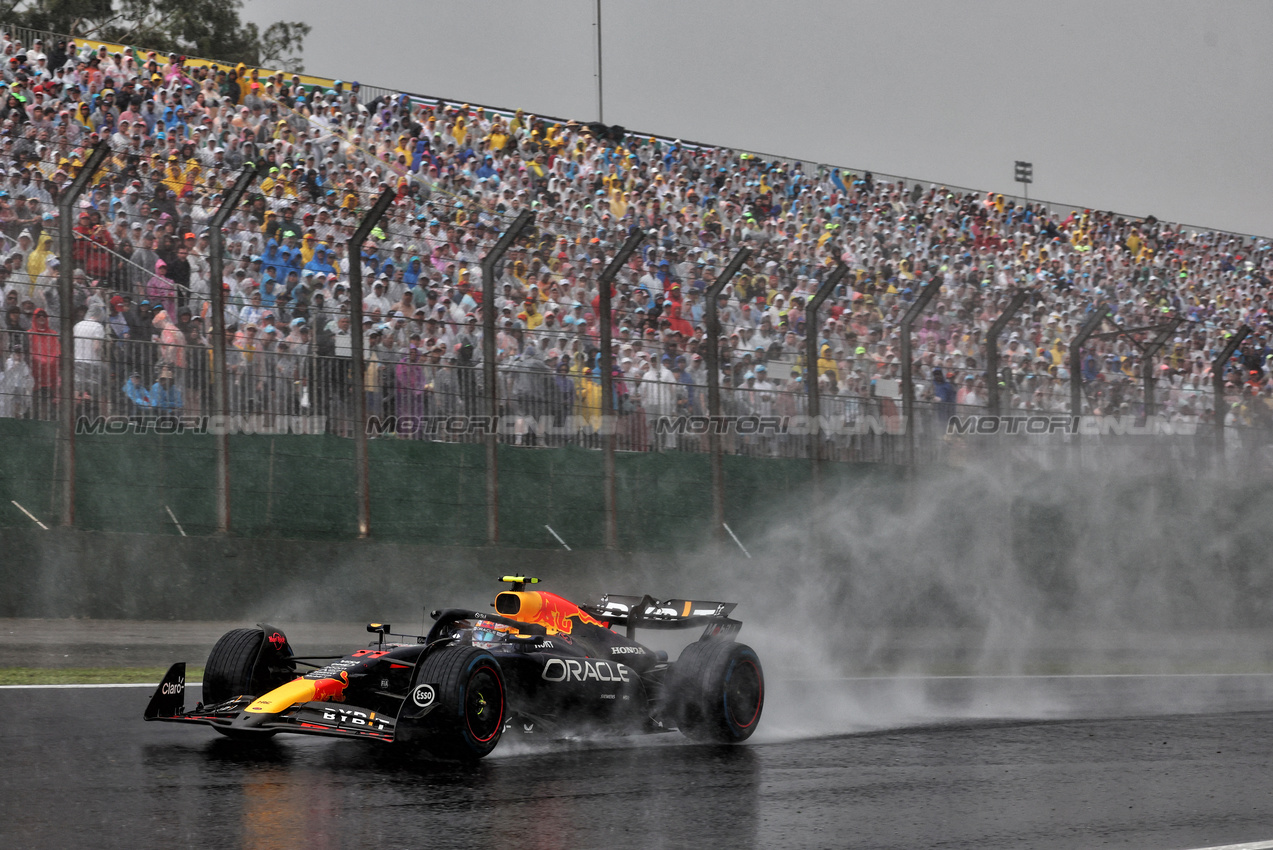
468	718
240	664
717	691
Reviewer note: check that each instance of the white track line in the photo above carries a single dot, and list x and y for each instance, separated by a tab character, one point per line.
121	685
922	678
863	679
1254	845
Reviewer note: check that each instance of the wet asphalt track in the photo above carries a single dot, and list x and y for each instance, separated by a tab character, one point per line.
1069	763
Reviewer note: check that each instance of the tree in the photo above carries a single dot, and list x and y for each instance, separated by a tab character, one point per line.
209	29
280	40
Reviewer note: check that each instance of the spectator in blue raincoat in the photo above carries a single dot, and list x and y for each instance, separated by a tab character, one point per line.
164	394
944	391
135	392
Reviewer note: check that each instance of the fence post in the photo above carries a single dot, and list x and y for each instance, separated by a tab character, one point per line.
908	378
221	390
1217	384
1089	327
713	391
66	325
489	374
1076	359
1165	332
992	348
811	375
362	471
608	418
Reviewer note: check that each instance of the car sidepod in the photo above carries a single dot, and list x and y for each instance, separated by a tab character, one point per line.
558	688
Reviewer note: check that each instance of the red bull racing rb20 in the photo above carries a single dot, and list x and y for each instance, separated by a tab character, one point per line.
539	664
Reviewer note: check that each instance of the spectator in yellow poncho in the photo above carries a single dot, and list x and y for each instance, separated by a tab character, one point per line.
826	363
518	122
267	185
1058	352
497	138
39	257
174	177
588	397
530	314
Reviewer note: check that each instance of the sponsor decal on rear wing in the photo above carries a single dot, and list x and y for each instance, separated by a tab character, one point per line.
647	612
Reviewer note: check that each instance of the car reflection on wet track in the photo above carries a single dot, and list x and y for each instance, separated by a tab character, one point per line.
83	770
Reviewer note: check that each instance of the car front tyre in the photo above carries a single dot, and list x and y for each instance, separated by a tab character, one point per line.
468	719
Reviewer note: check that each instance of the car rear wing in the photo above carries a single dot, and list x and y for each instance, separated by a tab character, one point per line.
646	612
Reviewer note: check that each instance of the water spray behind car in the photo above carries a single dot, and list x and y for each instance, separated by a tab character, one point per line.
998	569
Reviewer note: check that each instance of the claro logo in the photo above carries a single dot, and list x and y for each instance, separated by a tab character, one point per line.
571	670
170	688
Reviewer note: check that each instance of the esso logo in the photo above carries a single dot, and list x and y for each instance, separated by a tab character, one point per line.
423	695
172	688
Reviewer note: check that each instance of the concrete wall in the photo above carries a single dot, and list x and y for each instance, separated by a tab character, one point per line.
61	574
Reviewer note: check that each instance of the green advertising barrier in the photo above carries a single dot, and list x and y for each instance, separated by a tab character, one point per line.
28	476
145	483
664	500
550	488
291	485
426	492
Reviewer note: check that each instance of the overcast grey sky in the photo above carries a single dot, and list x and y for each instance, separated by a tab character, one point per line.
1162	108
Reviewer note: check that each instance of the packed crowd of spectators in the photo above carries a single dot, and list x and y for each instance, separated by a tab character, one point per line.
181	133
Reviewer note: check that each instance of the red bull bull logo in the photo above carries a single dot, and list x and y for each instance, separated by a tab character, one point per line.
543	608
330	690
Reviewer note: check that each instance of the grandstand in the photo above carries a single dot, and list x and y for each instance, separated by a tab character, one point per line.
181	131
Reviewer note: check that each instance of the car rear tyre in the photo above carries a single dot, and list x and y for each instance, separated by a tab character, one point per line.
468	719
237	665
717	691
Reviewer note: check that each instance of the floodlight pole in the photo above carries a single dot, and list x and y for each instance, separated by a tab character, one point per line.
1024	174
601	113
362	471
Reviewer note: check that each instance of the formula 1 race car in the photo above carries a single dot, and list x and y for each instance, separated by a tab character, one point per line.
538	665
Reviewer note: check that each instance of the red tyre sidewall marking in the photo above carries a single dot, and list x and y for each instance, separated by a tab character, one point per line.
760	692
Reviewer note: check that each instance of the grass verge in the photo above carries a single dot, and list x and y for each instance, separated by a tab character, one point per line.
90	675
